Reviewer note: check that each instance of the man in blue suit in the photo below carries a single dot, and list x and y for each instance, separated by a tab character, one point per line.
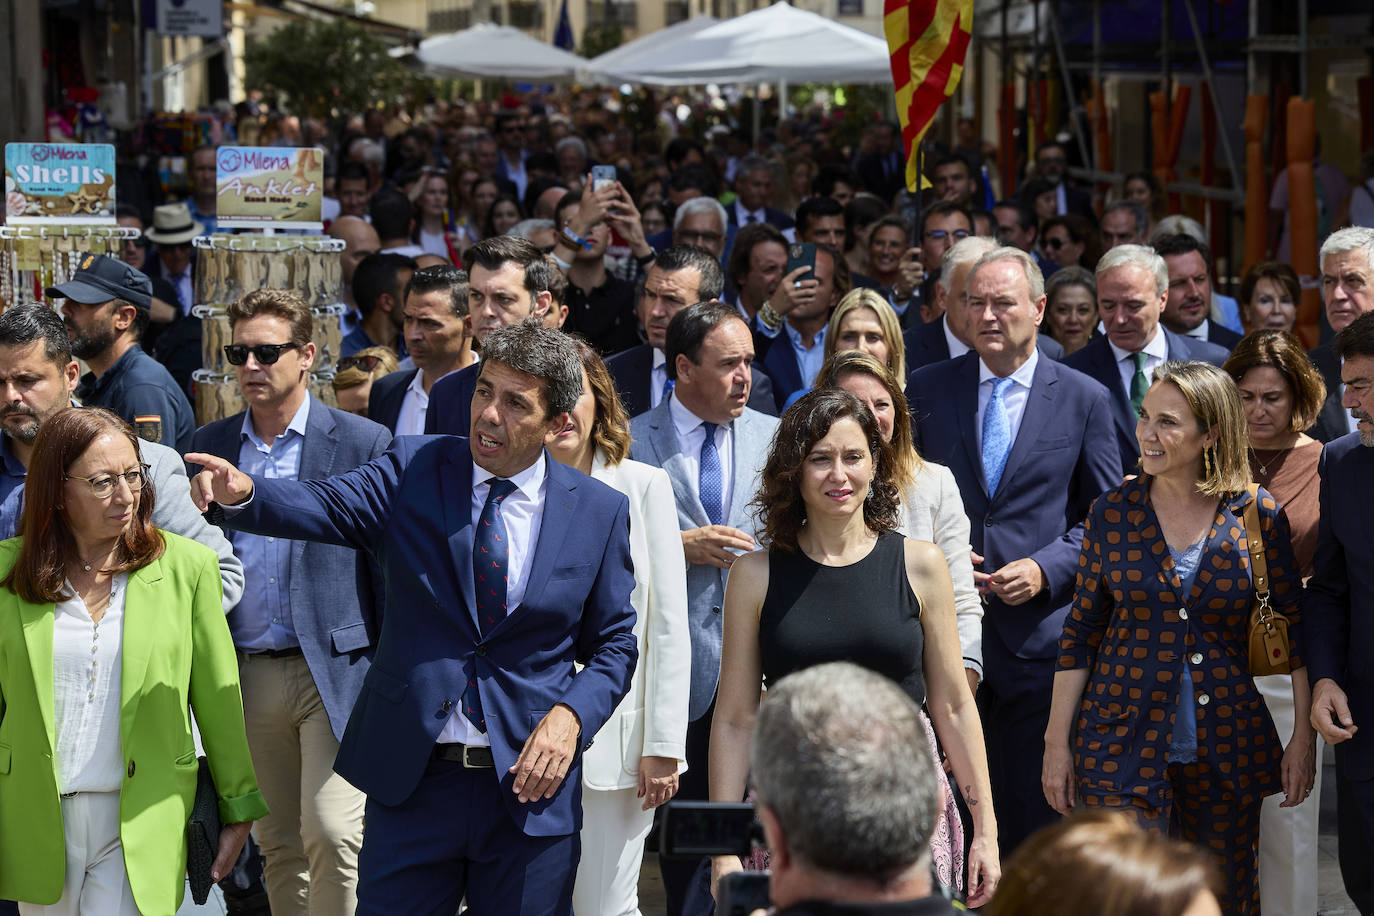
503	568
1338	615
307	623
754	187
508	281
1029	444
1189	303
1132	288
713	447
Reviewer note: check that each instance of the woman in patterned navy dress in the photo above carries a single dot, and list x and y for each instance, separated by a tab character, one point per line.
1155	713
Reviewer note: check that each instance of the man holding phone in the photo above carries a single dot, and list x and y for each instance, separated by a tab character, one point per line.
601	306
797	313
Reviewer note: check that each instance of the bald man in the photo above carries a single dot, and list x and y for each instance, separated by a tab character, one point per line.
360	240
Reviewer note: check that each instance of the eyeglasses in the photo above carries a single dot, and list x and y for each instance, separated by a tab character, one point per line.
690	237
1054	244
266	354
104	485
939	235
365	363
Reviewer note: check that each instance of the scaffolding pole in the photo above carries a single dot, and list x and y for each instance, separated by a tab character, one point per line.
1212	90
1075	110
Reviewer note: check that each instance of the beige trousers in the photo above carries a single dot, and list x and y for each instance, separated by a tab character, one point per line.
311	838
96	883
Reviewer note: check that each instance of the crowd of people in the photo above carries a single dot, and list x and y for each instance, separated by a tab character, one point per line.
615	462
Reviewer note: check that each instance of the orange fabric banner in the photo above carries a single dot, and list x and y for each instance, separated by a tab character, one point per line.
927	40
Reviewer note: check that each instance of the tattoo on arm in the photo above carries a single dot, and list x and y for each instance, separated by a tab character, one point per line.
968	796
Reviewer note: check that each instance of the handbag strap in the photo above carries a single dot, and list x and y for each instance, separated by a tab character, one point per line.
1254	540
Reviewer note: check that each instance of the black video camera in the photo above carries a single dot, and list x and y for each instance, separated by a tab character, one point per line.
692	829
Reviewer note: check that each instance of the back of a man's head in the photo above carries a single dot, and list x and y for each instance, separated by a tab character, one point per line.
840	758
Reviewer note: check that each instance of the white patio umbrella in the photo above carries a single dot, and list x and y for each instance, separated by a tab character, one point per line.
488	51
777	44
606	68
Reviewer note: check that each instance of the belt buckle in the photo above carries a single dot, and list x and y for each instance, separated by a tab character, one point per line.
469	763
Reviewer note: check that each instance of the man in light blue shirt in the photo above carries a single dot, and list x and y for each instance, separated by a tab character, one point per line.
306	627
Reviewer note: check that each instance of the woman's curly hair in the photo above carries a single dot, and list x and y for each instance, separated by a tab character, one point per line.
781	511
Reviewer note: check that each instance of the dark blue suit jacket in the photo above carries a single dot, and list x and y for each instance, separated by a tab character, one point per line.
450	403
633	368
1097	360
411	508
925	344
1338	613
1062	459
387	395
335	593
1222	336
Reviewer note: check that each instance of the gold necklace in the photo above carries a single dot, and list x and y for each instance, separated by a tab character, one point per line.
1265	462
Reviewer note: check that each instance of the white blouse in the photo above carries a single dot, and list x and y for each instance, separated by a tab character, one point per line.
86	665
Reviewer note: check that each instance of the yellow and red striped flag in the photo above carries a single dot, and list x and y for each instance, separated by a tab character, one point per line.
927	40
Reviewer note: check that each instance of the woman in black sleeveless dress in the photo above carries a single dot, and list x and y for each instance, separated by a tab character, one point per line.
838	582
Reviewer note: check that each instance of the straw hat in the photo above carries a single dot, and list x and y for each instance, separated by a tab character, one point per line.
172	225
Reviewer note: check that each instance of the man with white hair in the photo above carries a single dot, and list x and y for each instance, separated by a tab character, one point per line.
1029	443
1132	289
950	336
541	233
1347	262
702	221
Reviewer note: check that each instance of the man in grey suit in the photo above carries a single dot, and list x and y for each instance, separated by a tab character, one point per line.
713	447
307	624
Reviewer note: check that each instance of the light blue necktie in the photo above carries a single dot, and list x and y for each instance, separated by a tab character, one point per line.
996	435
709	486
667	389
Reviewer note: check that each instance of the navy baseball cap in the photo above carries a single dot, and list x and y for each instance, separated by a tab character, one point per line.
101	278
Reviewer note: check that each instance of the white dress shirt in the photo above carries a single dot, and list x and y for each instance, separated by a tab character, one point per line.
1350	420
1156	353
414	406
1199	332
522	511
745	217
658	375
1014	398
86	692
957	347
691	433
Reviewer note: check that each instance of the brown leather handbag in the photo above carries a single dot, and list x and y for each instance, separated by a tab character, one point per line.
1268	628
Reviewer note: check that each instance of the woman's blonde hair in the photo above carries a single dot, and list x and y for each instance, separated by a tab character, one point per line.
906	462
1100	862
354	376
892	329
611	430
1215	402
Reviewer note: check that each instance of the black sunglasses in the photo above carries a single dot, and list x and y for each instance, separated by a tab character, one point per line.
266	354
1054	244
365	363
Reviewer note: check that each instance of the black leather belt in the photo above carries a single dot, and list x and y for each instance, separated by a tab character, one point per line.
472	757
292	652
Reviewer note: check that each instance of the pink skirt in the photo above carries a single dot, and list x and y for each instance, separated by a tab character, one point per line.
946	846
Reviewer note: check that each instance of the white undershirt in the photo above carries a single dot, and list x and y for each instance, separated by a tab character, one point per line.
86	692
957	347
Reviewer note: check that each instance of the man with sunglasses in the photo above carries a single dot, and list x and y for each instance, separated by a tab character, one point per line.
510	142
106	311
306	627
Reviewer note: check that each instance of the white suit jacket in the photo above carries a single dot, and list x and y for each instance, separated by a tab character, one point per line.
651	721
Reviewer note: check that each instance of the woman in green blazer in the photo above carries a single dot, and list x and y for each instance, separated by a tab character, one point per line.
109	630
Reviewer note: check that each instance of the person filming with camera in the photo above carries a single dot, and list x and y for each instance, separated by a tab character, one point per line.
849	831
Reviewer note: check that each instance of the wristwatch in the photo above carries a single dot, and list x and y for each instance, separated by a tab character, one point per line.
647	259
769	316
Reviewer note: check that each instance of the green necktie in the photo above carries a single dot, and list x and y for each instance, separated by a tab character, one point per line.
1139	383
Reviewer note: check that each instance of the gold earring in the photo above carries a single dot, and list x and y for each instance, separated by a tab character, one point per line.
1207	463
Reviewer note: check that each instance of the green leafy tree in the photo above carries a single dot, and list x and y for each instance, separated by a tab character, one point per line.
598	39
324	67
